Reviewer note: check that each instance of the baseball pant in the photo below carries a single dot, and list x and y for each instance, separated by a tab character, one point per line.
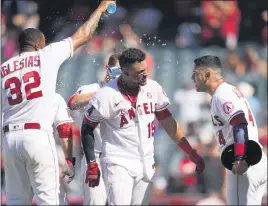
96	195
247	189
31	167
123	188
62	194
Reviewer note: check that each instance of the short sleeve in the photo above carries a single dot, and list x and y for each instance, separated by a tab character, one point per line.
95	111
62	115
162	99
58	52
88	88
229	106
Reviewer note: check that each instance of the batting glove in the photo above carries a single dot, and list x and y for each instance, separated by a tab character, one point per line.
93	175
68	170
198	160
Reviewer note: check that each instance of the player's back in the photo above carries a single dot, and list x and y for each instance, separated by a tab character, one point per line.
29	81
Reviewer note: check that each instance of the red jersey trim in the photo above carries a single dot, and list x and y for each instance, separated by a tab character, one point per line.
65	130
161	115
93	124
238	119
70	101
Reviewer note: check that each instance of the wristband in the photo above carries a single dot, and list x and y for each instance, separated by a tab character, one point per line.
239	149
92	165
185	146
72	162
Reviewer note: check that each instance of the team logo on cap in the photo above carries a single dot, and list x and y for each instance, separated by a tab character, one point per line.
228	107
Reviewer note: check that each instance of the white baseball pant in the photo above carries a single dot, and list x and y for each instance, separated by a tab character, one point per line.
247	189
93	195
31	165
63	200
123	188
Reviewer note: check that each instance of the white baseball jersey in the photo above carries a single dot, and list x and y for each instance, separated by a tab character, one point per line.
226	102
86	89
127	132
62	114
29	80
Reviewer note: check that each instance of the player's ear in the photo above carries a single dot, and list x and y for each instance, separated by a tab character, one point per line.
36	47
207	74
126	72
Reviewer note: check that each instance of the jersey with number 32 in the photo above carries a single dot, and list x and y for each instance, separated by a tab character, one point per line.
227	101
29	83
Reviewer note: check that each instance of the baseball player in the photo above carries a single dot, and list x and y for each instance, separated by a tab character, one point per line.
97	195
63	124
28	82
236	133
126	107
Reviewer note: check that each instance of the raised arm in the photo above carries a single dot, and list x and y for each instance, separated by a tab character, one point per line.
86	31
78	101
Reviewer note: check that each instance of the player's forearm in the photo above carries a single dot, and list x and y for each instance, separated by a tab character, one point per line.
66	139
87	136
80	100
176	133
173	129
86	31
67	147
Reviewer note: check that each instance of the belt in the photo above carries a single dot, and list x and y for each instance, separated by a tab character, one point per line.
15	127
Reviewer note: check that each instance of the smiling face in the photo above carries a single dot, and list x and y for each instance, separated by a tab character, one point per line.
136	74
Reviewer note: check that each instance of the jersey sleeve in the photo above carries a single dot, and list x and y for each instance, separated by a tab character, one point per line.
88	88
228	106
98	107
58	52
62	115
162	99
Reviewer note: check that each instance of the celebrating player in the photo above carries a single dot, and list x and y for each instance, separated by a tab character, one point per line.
126	108
28	81
236	132
63	123
97	195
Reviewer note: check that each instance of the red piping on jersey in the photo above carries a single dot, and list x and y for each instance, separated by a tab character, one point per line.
65	130
161	115
238	119
70	101
92	124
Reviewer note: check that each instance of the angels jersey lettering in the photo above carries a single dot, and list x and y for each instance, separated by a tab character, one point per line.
127	132
29	80
227	101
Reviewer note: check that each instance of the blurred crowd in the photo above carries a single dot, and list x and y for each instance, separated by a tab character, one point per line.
210	24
